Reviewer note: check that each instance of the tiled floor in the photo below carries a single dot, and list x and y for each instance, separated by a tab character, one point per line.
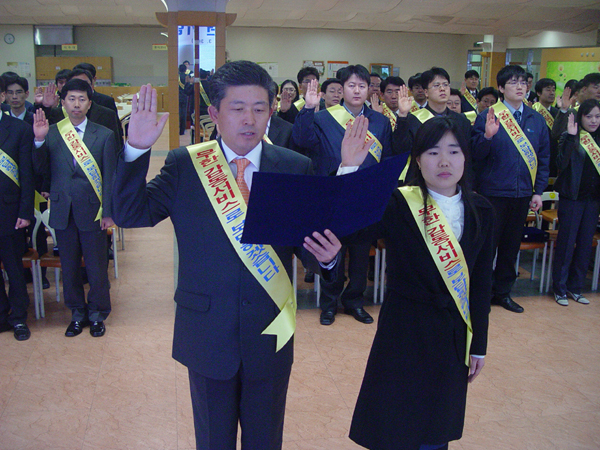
540	387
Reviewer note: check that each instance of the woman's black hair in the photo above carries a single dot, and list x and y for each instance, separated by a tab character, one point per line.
428	135
293	83
584	109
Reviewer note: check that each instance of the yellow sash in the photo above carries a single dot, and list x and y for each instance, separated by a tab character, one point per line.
423	115
343	117
9	167
387	112
299	104
204	94
471	115
84	158
414	107
37	199
470	99
518	137
591	148
545	113
445	251
261	260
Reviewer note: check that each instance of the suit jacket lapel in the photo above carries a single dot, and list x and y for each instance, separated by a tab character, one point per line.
3	131
269	160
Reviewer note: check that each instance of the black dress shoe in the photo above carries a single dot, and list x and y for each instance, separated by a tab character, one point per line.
359	314
75	328
97	329
45	283
507	303
22	332
327	317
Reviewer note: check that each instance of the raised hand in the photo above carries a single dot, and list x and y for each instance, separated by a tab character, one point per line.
40	125
324	246
404	102
50	99
286	101
312	97
572	125
376	104
565	98
463	87
144	128
354	146
492	125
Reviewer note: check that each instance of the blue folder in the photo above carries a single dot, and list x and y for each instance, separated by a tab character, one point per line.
285	208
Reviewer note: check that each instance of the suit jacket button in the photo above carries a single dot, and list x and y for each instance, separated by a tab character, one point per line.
245	303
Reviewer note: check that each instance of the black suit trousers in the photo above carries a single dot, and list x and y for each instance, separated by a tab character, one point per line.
72	243
13	308
258	405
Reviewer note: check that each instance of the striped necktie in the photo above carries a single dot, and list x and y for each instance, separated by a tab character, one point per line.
241	164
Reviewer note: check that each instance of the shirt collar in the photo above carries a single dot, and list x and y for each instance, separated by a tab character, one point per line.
254	154
512	110
20	116
362	111
82	125
442	198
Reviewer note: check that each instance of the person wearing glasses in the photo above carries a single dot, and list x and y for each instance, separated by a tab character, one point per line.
436	83
511	150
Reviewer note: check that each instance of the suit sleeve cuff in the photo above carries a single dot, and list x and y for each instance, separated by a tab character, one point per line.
346	169
130	153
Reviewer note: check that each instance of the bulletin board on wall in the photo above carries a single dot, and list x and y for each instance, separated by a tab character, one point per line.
563	64
383	70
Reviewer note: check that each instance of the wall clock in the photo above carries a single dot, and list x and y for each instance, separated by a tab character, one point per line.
9	38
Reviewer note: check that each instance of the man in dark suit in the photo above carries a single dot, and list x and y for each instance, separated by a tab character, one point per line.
81	207
470	85
16	213
17	91
236	372
97	97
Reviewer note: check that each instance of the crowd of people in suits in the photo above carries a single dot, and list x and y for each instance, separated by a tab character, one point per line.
477	161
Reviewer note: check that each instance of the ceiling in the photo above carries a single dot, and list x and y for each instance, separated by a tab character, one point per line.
500	18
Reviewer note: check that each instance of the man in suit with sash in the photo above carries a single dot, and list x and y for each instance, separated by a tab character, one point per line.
16	213
233	326
321	133
81	155
469	91
511	149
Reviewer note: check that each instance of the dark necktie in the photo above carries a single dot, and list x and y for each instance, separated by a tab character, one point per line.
518	117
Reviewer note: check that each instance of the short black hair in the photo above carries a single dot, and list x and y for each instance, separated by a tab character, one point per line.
76	84
203	74
471	73
239	73
455	92
182	68
87	66
9	74
428	76
305	71
329	82
360	71
578	86
374	74
572	84
10	78
186	61
21	81
63	74
591	78
487	91
529	75
415	79
543	83
77	72
509	72
396	81
2	85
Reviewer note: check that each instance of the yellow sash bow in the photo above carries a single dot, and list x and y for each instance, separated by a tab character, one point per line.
591	148
445	250
9	167
84	158
518	137
343	117
261	260
545	113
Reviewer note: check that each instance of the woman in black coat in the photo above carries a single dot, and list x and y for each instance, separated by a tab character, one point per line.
414	391
578	186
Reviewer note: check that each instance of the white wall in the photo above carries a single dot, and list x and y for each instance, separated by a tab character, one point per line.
21	51
554	39
134	61
289	47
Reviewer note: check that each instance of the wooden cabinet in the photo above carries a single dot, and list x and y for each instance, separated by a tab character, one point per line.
47	66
